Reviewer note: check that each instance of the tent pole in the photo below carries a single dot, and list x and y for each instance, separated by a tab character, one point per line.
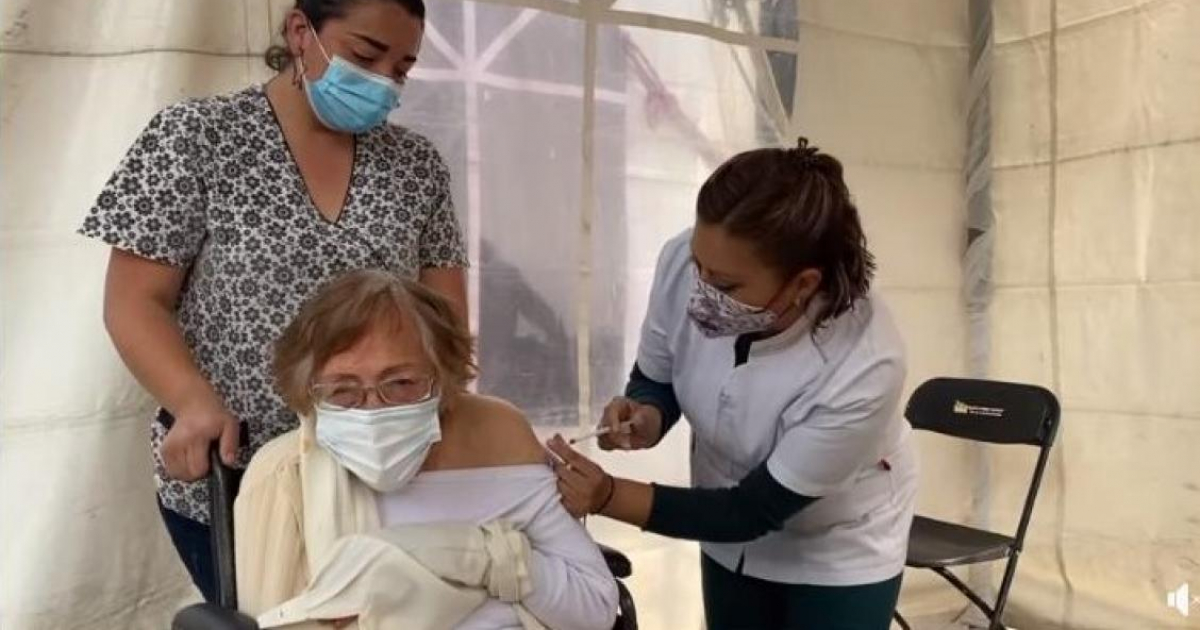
979	252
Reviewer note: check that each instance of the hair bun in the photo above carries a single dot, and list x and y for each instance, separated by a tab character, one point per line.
804	155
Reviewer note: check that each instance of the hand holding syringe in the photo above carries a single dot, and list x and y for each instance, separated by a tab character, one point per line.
627	425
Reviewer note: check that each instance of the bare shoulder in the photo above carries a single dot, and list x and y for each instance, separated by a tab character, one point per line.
499	432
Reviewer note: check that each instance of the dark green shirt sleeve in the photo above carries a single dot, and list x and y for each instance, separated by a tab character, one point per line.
650	392
754	507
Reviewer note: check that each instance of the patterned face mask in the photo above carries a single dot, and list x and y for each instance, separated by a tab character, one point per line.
718	315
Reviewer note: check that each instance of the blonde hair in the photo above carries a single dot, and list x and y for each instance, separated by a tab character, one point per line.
343	310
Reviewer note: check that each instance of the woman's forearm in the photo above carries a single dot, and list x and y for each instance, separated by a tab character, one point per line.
631	502
568	593
756	506
572	584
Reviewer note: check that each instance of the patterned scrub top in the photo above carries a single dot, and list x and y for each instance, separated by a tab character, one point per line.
211	186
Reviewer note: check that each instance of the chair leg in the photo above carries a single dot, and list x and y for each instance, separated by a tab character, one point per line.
966	591
901	620
1010	572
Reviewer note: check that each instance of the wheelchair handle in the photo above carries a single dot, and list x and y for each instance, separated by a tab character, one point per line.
222	487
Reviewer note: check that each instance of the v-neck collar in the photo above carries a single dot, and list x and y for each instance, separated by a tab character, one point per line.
314	209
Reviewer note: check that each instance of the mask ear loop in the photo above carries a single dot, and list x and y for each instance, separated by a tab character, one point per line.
299	68
317	39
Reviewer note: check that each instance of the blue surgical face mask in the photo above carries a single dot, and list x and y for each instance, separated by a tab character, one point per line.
348	98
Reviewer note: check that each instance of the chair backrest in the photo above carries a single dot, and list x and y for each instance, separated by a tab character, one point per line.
985	411
995	412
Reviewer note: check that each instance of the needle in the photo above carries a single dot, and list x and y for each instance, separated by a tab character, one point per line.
604	430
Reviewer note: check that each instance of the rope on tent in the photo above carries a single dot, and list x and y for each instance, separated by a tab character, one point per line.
661	104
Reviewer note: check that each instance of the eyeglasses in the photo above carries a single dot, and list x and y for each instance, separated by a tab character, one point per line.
396	390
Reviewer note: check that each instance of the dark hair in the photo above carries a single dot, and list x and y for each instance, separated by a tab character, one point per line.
794	206
278	58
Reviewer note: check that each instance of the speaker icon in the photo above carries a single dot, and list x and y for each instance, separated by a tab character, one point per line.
1179	599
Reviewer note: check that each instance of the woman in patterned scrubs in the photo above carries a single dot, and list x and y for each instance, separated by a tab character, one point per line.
228	212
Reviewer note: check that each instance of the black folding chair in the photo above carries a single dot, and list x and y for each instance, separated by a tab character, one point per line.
223	614
983	411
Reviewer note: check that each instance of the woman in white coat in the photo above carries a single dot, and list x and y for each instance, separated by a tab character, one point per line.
762	332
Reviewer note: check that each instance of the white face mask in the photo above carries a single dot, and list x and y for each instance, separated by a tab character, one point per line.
383	447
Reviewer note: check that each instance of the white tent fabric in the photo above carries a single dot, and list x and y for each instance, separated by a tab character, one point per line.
577	134
1096	269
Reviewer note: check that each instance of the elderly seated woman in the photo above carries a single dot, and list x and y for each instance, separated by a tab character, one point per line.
393	453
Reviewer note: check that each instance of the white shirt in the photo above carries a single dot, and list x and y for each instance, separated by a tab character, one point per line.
821	408
572	586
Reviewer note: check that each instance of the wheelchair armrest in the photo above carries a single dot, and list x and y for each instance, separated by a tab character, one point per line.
617	562
627	619
211	617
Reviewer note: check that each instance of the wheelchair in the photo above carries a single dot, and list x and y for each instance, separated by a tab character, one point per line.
223	613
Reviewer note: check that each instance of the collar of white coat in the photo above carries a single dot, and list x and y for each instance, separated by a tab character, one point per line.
801	327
